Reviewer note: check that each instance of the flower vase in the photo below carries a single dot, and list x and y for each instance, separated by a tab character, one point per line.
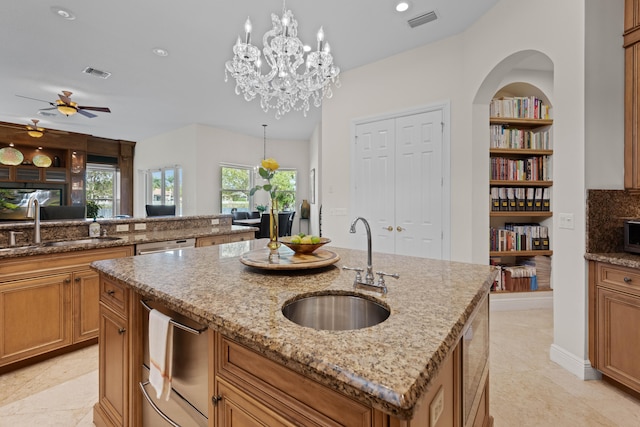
273	244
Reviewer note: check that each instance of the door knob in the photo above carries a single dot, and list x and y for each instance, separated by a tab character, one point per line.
389	228
400	228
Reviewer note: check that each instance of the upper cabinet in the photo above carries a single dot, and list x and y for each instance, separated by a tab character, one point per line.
632	95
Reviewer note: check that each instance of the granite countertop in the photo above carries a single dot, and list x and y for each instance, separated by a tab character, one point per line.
123	239
388	366
617	258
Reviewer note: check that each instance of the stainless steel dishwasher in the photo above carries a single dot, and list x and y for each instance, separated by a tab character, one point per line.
165	246
187	404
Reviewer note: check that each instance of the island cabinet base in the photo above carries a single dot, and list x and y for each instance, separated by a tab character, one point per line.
245	388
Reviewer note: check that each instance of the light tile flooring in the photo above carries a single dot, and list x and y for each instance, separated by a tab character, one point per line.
527	389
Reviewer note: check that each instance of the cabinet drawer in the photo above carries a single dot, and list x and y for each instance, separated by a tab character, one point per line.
623	278
241	237
272	384
114	295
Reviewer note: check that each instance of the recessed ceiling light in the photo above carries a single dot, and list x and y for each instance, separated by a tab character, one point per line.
63	13
402	6
161	52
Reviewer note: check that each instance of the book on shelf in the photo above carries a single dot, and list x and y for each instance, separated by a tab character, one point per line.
536	168
513	138
522	107
514	237
529	274
520	199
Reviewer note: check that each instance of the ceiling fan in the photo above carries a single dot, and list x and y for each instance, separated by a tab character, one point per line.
66	106
35	131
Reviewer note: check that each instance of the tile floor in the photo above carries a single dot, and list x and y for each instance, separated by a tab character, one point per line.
527	389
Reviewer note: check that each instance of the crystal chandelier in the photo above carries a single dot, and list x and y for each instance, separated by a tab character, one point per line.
291	81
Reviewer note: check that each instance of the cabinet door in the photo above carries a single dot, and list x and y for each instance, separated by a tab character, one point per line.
35	316
211	240
618	343
631	15
86	291
113	389
236	408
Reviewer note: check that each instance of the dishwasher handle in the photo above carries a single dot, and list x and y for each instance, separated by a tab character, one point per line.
178	324
154	406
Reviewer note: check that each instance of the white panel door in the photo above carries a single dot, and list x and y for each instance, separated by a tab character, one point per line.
374	182
418	185
398	183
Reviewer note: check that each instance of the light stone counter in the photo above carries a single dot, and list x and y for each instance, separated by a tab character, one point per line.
388	365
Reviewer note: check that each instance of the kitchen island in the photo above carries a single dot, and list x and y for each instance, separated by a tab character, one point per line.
403	371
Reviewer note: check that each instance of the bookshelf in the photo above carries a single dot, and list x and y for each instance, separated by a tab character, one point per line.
520	185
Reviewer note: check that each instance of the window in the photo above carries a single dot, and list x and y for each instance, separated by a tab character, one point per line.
236	182
164	187
103	188
285	181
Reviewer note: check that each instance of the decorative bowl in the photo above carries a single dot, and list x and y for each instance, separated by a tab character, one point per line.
303	248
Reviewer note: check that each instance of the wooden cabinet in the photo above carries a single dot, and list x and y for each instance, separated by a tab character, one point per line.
113	366
49	302
86	287
631	94
120	356
614	305
280	392
35	316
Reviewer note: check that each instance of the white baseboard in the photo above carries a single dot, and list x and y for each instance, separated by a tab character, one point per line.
509	301
578	367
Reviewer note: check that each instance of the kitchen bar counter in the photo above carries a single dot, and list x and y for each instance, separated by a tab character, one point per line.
175	230
388	366
616	258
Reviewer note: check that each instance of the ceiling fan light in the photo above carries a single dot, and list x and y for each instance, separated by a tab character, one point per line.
67	110
33	133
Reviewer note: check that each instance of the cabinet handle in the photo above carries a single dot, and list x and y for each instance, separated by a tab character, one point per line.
627	280
67	280
400	229
122	331
389	228
77	279
111	292
216	399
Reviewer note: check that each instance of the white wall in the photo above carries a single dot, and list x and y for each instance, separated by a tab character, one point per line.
200	150
455	69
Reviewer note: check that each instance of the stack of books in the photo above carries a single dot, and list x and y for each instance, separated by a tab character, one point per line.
513	138
522	107
519	237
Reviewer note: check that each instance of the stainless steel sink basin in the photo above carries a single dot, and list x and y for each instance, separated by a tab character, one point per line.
335	312
88	240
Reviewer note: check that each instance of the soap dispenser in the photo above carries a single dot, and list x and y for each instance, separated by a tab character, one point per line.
94	229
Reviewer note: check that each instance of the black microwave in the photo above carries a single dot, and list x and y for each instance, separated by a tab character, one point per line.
632	236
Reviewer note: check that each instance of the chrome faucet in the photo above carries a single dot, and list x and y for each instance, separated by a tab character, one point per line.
33	211
369	281
368	278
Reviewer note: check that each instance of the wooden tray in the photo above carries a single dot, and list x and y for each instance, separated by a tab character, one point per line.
289	260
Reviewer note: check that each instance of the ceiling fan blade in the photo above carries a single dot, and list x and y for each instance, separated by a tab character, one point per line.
65	98
86	114
35	99
51	108
102	109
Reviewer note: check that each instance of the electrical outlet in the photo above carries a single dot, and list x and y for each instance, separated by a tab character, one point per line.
215	221
566	221
436	407
140	226
122	228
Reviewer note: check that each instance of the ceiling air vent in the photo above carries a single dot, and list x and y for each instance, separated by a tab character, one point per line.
96	73
422	19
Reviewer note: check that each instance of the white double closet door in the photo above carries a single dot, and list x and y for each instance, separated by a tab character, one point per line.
397	183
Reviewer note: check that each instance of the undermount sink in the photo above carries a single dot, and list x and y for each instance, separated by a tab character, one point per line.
88	240
335	312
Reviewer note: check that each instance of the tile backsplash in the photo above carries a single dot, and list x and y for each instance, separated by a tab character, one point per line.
606	212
